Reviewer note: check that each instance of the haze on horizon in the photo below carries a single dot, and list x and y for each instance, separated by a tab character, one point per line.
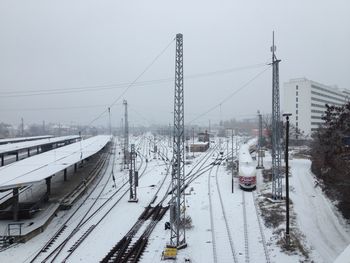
87	53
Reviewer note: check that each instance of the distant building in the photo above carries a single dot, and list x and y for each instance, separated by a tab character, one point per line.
203	136
306	100
199	147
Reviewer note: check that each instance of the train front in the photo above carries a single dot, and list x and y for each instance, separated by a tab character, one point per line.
247	169
247	176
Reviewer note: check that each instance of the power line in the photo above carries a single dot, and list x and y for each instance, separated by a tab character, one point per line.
40	92
229	96
132	83
55	108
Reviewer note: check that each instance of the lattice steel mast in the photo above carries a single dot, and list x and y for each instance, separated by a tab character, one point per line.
276	127
126	135
177	205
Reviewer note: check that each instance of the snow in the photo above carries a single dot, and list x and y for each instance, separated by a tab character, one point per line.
317	218
316	215
344	257
20	139
6	148
39	167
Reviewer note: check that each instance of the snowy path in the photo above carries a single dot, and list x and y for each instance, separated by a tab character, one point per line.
315	214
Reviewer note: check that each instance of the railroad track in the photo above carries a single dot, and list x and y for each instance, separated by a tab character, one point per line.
224	216
67	254
101	164
129	250
263	240
126	250
245	228
234	256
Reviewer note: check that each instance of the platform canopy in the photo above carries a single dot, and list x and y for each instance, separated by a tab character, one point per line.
39	167
14	147
22	139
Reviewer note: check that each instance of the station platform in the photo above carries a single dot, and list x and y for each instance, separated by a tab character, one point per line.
63	195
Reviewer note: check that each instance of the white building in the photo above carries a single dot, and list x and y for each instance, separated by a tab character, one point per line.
306	100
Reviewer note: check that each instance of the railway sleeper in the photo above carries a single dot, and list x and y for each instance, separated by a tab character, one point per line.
81	239
53	239
122	245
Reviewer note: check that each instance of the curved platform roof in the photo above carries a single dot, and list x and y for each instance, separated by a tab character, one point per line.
39	167
14	147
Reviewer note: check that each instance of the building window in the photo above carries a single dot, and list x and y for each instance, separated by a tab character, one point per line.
296	87
296	118
296	112
296	124
296	105
296	93
296	99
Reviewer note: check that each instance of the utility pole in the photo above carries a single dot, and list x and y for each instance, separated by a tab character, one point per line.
44	128
287	177
177	203
260	155
22	127
232	159
227	145
276	127
133	175
109	124
192	141
126	135
169	144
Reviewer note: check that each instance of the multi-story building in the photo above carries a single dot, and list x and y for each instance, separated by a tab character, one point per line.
306	100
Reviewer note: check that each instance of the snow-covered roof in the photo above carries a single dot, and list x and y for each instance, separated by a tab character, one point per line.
41	166
12	147
244	154
199	143
22	139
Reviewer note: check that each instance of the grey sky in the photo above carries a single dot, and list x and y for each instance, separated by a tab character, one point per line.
70	44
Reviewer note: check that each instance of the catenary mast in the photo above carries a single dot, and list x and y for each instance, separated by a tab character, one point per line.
177	205
276	127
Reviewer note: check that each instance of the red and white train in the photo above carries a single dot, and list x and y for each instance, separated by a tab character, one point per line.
247	169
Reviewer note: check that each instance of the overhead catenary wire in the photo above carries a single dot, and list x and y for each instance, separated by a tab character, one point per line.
56	108
42	92
229	96
132	83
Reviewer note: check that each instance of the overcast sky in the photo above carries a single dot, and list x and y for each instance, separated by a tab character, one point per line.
66	45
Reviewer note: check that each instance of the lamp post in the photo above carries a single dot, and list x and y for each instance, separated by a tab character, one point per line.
232	159
192	142
287	179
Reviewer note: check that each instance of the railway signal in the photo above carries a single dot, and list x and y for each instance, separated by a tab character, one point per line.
133	175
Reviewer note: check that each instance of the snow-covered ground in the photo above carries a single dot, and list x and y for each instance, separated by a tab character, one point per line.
226	225
317	218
